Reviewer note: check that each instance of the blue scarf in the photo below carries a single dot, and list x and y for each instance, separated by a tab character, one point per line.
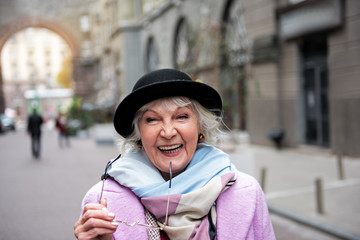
135	171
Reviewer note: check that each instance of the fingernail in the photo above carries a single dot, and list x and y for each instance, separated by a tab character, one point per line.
105	209
111	214
115	223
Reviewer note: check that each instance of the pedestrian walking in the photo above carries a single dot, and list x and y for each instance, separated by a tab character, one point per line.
34	130
61	125
170	181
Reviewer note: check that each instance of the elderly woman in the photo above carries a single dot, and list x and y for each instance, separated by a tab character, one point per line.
169	182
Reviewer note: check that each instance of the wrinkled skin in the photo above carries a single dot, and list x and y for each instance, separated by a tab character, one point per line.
169	134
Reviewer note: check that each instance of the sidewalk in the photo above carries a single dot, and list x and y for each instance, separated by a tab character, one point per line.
289	184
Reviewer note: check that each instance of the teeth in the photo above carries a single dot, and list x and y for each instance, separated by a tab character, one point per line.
170	149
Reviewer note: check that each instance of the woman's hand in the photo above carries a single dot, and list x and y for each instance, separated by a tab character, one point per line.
96	222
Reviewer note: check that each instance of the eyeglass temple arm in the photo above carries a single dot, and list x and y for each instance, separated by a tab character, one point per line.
105	175
168	200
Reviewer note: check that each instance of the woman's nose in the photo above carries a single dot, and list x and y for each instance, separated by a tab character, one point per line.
168	131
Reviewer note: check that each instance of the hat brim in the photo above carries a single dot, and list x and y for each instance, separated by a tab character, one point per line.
126	110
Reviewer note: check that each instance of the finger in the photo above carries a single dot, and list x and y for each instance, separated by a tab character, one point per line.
93	233
96	234
98	223
94	207
103	202
94	225
106	237
77	224
102	214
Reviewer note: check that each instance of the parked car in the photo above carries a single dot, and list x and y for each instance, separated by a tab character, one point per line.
7	123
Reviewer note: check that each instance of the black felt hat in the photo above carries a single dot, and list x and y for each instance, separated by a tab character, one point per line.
158	84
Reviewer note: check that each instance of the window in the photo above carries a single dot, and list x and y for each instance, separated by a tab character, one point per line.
85	23
236	41
152	56
181	45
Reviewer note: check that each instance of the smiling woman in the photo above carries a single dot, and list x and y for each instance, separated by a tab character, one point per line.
170	182
209	122
169	133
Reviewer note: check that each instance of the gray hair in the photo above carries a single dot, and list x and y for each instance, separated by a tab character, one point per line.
208	121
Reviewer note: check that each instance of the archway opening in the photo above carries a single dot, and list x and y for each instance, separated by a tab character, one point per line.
36	68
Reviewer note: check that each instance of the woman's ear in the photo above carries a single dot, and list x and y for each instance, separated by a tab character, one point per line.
201	138
139	144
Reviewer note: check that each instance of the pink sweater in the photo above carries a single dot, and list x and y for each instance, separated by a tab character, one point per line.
242	212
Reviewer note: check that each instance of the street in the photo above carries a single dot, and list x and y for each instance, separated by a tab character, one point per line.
40	198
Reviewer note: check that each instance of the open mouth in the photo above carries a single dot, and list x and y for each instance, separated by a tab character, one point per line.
170	149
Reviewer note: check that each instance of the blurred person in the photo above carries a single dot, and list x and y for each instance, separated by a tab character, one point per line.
170	182
34	123
61	126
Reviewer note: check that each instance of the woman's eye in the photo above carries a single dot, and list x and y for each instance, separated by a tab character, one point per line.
149	120
183	116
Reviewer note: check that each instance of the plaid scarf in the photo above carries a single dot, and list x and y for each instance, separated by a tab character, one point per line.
153	234
193	192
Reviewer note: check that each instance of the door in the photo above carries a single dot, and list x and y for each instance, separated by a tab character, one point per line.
315	89
316	103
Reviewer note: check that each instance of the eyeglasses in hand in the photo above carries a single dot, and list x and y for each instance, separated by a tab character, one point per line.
137	223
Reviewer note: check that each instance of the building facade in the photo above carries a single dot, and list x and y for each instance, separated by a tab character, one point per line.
286	69
320	66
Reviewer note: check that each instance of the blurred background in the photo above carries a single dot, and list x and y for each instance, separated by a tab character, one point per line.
287	71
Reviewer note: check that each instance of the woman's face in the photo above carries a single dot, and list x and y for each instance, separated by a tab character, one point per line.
169	133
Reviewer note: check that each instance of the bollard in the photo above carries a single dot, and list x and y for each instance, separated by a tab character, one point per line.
340	167
263	178
319	196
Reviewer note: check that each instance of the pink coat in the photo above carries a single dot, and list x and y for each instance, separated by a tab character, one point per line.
242	212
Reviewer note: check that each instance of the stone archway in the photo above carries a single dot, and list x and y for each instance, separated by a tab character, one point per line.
13	27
